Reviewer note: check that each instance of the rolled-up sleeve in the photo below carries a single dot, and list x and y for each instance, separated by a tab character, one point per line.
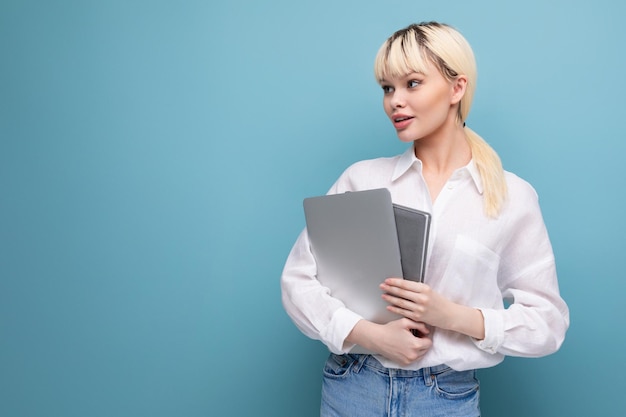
309	304
537	318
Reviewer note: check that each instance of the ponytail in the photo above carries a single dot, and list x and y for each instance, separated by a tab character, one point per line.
491	173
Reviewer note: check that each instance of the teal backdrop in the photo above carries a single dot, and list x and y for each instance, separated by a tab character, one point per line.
153	160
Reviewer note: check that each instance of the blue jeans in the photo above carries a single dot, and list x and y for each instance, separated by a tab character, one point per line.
359	386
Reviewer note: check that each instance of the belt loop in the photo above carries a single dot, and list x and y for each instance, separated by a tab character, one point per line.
428	377
359	361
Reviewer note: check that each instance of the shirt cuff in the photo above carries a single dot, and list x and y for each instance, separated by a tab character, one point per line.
340	326
494	331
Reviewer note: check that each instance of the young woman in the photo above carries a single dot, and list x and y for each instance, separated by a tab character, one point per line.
488	245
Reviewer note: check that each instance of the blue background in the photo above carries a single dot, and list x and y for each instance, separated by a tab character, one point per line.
153	160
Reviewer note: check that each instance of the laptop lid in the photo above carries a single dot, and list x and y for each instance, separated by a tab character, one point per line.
354	241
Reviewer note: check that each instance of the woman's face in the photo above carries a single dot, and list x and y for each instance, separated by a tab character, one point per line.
419	105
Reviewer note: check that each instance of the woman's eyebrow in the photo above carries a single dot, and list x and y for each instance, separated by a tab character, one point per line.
407	75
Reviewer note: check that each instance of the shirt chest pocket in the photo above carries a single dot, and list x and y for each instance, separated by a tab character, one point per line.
471	276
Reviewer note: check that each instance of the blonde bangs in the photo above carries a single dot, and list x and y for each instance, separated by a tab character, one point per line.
398	57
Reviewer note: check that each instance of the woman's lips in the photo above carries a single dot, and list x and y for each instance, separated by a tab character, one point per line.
401	121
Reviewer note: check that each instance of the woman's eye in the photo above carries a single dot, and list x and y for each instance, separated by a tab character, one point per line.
413	83
387	89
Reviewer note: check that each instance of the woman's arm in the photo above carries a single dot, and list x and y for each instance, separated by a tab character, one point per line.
420	303
536	319
394	340
320	316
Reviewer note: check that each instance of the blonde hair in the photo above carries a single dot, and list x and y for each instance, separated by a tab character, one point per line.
409	50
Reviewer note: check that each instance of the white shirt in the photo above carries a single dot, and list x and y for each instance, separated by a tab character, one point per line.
473	260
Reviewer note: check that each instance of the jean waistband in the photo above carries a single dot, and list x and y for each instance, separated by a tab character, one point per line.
372	363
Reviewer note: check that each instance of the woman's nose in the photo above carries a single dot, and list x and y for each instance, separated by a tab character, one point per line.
397	100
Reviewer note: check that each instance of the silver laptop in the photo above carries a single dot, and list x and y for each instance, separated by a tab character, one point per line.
353	238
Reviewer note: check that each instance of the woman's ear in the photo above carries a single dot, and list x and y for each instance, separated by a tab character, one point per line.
458	89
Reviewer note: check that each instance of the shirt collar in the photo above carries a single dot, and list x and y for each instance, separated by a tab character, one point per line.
408	159
405	162
473	171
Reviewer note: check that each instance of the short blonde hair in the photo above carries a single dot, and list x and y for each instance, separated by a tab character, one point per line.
409	50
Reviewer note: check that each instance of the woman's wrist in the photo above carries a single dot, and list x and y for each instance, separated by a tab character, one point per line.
468	321
361	334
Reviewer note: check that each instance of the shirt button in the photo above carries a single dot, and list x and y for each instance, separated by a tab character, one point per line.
450	186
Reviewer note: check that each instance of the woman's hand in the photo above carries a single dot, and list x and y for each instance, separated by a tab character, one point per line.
420	303
416	301
393	340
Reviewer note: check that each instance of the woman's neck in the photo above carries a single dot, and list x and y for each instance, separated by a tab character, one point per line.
441	155
444	152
